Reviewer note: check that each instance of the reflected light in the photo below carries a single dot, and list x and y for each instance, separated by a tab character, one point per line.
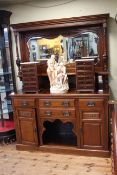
5	29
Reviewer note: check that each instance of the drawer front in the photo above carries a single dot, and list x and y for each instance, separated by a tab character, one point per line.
85	74
45	103
92	115
24	102
85	63
27	113
91	103
85	86
88	80
85	68
57	113
28	67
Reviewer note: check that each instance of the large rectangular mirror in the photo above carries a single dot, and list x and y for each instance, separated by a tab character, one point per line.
65	49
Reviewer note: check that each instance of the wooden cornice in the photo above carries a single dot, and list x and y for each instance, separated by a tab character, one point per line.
59	23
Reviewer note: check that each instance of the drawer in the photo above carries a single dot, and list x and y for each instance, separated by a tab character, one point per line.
56	103
28	66
91	115
91	103
85	86
24	102
28	70
84	74
87	81
85	68
27	113
57	113
30	79
84	62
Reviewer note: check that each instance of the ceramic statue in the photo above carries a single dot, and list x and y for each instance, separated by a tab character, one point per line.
57	76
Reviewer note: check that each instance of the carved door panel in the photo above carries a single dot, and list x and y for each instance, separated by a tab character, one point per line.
92	130
27	126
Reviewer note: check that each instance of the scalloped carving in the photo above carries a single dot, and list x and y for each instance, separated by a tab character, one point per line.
70	127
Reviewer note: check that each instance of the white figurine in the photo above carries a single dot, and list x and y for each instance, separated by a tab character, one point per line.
61	74
57	76
51	70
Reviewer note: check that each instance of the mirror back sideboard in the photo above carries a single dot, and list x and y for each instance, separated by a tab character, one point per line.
43	118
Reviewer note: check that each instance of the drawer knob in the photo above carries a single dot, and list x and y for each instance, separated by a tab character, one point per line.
48	113
65	103
91	104
24	104
66	113
47	103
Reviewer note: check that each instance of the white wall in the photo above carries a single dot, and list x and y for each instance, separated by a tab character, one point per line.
34	12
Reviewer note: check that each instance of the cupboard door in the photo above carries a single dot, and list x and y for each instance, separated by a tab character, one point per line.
92	130
27	129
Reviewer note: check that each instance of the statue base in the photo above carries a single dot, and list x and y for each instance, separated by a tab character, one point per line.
54	90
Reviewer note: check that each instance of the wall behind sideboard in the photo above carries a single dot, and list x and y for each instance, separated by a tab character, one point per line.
55	9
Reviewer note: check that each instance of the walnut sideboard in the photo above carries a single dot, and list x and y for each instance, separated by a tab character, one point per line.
69	123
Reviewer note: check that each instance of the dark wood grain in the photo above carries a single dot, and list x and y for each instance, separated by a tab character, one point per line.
113	123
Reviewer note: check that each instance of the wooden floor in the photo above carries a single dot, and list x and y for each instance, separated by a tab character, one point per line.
13	162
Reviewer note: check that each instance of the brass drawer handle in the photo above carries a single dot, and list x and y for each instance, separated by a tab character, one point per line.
47	103
66	113
24	103
91	104
65	103
48	113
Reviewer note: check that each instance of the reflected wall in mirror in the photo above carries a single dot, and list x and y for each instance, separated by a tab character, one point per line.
64	48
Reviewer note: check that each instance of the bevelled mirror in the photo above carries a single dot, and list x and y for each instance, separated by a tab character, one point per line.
67	48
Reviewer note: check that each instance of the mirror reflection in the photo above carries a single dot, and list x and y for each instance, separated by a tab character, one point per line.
64	48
